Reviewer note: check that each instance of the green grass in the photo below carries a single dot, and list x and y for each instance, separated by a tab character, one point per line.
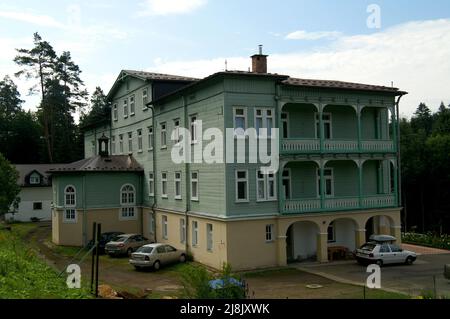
23	275
268	272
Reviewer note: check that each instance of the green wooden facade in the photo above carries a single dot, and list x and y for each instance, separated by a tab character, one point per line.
361	151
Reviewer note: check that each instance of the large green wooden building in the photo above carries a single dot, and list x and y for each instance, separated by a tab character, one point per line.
337	181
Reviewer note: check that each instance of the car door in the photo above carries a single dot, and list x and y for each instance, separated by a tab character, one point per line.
162	254
172	254
397	254
385	254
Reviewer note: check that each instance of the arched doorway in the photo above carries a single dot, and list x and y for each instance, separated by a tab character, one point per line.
379	225
342	233
301	242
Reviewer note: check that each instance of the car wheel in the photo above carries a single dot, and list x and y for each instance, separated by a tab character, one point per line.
183	258
129	251
379	262
409	260
156	265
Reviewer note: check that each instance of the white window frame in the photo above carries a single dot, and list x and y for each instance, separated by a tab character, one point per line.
240	180
132	105
193	127
125	108
331	177
284	121
163	135
164	183
144	99
139	140
152	224
331	226
176	129
115	112
289	178
113	145
317	123
195	180
182	230
120	143
177	180
35	179
150	138
127	206
244	116
130	142
194	233
164	227
264	119
71	220
151	184
209	237
73	201
266	179
270	233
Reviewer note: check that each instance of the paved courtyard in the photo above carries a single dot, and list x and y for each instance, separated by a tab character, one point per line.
426	274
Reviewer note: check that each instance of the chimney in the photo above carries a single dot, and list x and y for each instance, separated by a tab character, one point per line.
259	62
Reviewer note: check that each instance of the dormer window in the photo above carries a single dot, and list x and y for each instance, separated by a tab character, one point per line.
35	179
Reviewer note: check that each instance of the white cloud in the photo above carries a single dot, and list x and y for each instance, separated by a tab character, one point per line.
37	19
415	56
305	35
167	7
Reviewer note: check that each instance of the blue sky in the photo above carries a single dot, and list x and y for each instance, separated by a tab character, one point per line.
311	39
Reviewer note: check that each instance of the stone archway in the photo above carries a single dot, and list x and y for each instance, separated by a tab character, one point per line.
379	225
302	241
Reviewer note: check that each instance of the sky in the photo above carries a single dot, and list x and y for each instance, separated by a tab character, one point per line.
406	43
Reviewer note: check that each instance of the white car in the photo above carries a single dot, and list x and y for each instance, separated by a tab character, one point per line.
382	251
155	255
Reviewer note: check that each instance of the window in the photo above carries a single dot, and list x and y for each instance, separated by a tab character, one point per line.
164	227
70	196
115	112
385	248
194	233
182	230
151	184
163	135
37	206
331	233
121	143
113	145
176	131
287	183
164	185
139	133
326	118
177	185
328	182
265	185
152	223
125	108
241	186
264	120
130	142
132	106
144	98
194	186
194	128
285	124
269	233
240	121
70	216
209	237
35	179
127	201
150	138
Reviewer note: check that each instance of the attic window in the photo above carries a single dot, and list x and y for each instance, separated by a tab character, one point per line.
35	180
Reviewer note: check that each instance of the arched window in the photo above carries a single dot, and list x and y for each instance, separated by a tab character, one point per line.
70	214
127	201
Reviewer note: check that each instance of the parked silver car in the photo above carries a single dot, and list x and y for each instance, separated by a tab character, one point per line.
125	244
384	252
155	255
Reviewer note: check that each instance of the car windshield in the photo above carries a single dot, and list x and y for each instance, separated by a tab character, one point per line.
368	247
146	250
120	239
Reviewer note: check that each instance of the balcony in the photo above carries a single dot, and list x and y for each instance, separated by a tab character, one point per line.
299	146
313	205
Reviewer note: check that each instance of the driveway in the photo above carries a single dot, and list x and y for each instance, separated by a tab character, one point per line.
413	280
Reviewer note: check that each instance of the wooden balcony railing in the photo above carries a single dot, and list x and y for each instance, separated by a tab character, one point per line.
299	146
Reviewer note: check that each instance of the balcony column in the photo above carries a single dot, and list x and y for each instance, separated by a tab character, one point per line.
394	127
281	251
360	182
321	128
360	237
358	116
322	184
396	183
322	247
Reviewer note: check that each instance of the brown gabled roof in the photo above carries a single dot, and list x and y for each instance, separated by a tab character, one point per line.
113	163
158	76
26	169
340	85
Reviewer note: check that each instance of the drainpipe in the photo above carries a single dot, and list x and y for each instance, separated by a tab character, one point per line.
399	164
188	190
152	108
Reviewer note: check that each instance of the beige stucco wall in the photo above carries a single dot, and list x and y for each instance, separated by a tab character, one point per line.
67	234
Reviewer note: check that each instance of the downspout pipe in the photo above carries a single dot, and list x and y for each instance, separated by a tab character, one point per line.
187	179
399	164
155	183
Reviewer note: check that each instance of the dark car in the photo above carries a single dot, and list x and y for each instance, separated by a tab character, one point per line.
104	239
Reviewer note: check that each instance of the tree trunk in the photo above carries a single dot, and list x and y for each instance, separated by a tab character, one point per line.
45	115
